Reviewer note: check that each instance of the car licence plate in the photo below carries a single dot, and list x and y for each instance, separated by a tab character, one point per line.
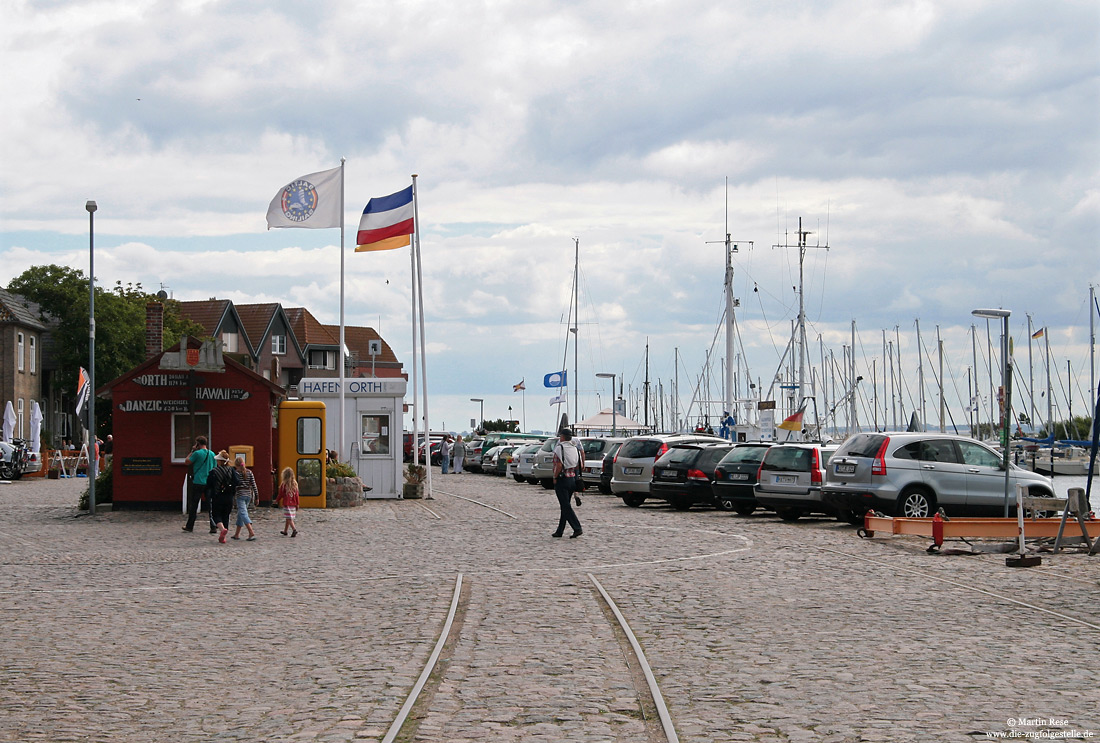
632	470
669	474
785	479
845	469
738	476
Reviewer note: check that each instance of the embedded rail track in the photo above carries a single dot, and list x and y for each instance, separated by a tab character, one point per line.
419	703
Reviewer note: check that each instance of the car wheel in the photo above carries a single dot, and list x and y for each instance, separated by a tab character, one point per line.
916	504
518	478
788	514
633	500
682	504
745	509
725	503
547	483
605	489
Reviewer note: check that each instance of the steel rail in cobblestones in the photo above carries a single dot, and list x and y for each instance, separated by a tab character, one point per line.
964	586
651	680
433	513
403	714
471	500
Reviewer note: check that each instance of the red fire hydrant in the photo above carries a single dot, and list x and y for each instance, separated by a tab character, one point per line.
937	529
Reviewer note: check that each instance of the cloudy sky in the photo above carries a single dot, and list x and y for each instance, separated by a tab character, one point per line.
948	152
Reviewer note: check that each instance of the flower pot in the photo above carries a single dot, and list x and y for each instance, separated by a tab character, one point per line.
411	490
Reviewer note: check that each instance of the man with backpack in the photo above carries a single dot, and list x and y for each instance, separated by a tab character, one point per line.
223	483
201	461
568	461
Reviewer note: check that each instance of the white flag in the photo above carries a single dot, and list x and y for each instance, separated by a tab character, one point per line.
557	400
312	201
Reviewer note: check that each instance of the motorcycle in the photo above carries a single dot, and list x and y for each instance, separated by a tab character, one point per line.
13	459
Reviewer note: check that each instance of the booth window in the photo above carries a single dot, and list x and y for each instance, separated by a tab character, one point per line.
376	434
309	436
183	438
309	477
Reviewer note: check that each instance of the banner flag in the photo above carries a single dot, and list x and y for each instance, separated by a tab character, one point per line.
312	201
83	398
387	222
558	400
518	387
557	379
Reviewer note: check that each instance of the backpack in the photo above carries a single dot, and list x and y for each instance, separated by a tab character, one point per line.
224	484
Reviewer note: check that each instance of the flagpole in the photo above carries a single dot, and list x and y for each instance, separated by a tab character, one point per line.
340	417
423	349
416	397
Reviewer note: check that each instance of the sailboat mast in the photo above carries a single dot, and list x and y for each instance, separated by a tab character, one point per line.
645	398
1030	372
576	305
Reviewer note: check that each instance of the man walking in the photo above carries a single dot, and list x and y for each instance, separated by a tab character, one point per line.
201	460
568	461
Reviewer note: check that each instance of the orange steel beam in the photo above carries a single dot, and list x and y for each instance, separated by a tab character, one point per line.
992	527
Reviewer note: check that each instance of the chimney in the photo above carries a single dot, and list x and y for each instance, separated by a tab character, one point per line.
154	329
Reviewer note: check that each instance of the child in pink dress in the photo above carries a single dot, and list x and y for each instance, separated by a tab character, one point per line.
288	499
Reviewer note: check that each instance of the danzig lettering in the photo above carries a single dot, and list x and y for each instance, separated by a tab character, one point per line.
153	406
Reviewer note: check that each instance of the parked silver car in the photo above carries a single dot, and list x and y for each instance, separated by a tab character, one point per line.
594	451
633	469
914	474
593	447
790	478
523	461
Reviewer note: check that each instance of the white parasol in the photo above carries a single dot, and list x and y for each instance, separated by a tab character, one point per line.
36	427
9	421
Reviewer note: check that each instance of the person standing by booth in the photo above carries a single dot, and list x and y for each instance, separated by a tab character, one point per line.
201	461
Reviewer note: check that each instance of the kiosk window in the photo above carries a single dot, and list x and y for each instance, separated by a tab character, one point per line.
309	436
309	477
183	438
376	434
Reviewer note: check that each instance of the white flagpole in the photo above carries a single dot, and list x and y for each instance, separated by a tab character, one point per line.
423	349
412	293
340	416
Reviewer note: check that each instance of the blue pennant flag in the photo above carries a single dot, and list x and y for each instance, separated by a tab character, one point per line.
557	379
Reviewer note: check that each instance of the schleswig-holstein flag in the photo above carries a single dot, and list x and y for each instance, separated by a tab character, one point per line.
387	222
312	201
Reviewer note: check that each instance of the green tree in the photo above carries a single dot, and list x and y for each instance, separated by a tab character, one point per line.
62	294
501	425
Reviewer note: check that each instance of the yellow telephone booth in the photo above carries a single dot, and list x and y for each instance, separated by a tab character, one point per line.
302	448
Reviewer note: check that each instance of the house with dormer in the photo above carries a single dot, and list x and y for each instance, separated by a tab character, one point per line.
220	319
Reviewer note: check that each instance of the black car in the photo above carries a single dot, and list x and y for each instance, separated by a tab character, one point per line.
608	468
735	477
682	475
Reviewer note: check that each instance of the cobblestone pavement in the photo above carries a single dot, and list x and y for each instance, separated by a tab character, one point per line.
121	627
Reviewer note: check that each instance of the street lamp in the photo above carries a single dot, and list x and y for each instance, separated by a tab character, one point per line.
93	454
482	402
612	378
1006	384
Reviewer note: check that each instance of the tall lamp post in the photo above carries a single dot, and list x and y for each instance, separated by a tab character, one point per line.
482	402
93	452
612	378
1006	383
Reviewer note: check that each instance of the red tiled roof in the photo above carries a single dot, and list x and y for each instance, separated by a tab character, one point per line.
207	313
308	330
256	319
357	338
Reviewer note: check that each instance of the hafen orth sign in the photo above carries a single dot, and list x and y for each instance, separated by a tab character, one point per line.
357	386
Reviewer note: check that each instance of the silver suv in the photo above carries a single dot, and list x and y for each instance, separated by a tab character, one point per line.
913	474
634	462
790	477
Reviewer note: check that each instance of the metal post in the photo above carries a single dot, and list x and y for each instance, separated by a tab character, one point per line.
93	454
1006	383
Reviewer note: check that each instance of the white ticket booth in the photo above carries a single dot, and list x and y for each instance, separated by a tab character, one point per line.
373	419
